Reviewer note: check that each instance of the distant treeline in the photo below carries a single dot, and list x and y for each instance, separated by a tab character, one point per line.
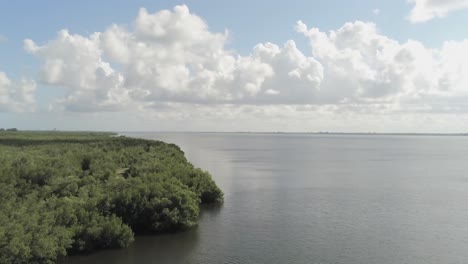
66	193
8	129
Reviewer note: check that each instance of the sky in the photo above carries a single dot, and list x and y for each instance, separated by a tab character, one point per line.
290	66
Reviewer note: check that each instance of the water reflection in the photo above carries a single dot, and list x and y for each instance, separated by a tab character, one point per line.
177	248
210	210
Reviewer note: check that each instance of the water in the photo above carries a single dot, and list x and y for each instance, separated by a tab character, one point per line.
335	199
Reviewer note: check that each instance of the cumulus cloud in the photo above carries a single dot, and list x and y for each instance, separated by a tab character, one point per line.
74	62
171	59
425	10
171	56
363	66
16	96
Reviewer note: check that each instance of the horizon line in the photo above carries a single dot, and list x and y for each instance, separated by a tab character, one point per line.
253	132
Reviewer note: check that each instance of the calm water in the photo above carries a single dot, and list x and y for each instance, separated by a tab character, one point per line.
338	199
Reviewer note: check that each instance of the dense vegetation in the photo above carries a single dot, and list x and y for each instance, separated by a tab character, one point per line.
65	193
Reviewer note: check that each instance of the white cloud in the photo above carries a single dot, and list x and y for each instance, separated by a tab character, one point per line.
74	62
170	64
425	10
363	66
16	96
376	11
170	56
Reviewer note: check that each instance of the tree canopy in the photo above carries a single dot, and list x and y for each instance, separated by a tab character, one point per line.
65	193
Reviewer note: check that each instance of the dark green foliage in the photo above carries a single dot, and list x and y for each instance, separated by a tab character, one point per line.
64	193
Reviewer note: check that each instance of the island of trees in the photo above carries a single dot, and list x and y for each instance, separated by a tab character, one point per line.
65	193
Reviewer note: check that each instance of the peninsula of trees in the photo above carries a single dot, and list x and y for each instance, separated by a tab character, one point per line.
64	193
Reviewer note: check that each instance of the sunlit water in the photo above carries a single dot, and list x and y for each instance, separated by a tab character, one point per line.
338	199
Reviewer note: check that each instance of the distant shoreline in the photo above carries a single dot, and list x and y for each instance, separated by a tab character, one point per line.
304	133
121	133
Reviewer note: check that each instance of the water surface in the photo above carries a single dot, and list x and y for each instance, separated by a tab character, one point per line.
302	198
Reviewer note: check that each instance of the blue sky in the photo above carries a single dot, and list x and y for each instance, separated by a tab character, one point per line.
249	23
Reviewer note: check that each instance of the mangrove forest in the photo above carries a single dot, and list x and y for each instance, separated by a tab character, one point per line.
65	193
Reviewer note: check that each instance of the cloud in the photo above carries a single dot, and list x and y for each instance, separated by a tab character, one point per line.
74	62
170	56
362	66
376	11
3	38
170	60
425	10
16	96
